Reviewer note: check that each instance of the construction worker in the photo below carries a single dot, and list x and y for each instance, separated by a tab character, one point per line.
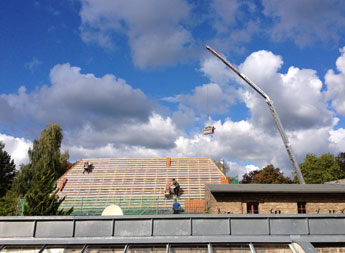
176	207
167	190
176	187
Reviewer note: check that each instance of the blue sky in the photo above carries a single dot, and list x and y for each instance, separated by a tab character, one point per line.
133	78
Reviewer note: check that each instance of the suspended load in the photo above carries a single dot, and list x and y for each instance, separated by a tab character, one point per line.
208	130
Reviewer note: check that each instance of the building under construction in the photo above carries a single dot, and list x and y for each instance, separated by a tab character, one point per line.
137	185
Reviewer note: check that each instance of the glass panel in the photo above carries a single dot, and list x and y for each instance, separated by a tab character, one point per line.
23	249
272	248
231	248
62	249
189	248
107	249
133	249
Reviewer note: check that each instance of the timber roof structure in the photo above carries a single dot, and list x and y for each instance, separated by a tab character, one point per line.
136	185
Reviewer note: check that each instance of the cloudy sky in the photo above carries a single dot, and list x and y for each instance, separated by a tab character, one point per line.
133	78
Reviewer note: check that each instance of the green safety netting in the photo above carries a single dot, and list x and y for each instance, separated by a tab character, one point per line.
130	205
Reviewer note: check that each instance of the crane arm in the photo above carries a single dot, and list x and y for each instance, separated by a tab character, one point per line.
273	111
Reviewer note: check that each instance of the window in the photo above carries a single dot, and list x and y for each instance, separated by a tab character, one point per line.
277	248
301	207
22	249
252	207
231	248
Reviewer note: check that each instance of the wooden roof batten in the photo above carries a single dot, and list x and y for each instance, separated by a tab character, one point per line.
136	183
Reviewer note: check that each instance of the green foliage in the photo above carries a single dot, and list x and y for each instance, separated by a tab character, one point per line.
7	170
8	203
318	170
341	161
41	199
39	177
268	175
248	177
271	175
44	155
36	180
23	180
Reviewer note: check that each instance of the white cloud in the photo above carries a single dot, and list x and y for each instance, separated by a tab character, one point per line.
337	140
17	148
336	84
157	133
301	104
306	21
235	23
216	70
74	99
226	11
106	117
184	117
252	143
33	65
210	99
154	28
236	169
302	21
297	94
237	140
110	150
93	111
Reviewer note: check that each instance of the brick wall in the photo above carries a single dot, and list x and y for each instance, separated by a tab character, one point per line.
270	203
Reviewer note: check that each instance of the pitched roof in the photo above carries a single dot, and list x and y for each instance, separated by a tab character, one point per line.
277	188
139	183
339	181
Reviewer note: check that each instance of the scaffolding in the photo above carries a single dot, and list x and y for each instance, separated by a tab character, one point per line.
130	205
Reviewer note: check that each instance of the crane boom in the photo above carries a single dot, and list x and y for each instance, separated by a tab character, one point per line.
273	111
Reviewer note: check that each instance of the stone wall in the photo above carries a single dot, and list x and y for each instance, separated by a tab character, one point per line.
274	203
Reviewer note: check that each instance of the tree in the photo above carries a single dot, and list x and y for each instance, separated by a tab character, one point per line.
23	180
36	181
270	175
44	155
318	170
248	177
41	198
46	152
7	170
341	161
8	203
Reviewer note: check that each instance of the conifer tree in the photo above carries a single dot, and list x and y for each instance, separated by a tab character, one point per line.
7	170
42	198
39	177
44	155
46	152
22	183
